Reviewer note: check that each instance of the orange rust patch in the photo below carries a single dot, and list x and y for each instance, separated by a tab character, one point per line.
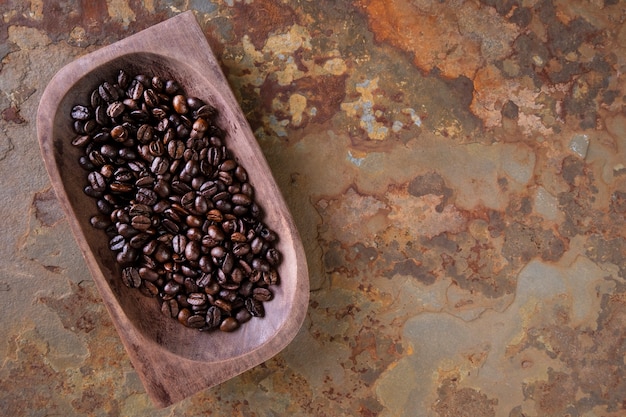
261	18
432	38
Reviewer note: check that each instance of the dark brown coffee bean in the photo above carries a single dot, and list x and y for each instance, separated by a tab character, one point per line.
171	87
135	91
141	223
262	294
183	315
255	307
146	196
97	181
148	274
94	99
117	242
229	324
179	242
115	109
194	233
272	256
270	277
100	221
237	275
245	289
80	112
204	280
256	246
243	315
179	103
150	97
213	317
171	288
197	298
108	92
196	321
260	264
145	133
192	250
206	112
130	277
159	165
224	305
127	255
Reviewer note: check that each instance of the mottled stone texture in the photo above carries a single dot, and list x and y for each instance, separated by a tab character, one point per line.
457	170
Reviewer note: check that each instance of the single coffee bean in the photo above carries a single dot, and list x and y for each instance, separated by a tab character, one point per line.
148	274
197	298
255	307
80	112
213	317
117	242
179	102
262	294
196	321
243	315
130	277
115	109
229	324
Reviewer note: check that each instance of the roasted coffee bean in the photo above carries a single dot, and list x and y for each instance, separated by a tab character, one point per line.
183	315
243	315
127	255
146	196
150	98
100	221
179	242
130	277
179	102
229	324
141	222
135	91
255	307
108	92
97	181
223	305
272	256
115	109
213	317
196	321
197	299
80	112
171	287
270	277
262	294
192	250
148	274
117	242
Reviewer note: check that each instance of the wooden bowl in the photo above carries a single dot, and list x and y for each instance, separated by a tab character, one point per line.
172	360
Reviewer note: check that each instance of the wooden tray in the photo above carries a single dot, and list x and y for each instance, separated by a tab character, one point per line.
173	361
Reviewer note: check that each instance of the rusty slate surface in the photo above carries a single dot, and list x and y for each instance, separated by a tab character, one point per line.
457	172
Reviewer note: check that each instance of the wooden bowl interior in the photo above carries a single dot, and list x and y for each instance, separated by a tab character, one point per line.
143	312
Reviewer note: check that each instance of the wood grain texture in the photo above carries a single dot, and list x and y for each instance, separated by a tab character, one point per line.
173	361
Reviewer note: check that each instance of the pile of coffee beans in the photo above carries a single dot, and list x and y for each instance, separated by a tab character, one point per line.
177	207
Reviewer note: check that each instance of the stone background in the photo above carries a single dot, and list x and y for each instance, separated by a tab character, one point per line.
457	173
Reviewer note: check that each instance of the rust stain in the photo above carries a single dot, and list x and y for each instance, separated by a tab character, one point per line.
430	36
453	401
12	114
259	19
